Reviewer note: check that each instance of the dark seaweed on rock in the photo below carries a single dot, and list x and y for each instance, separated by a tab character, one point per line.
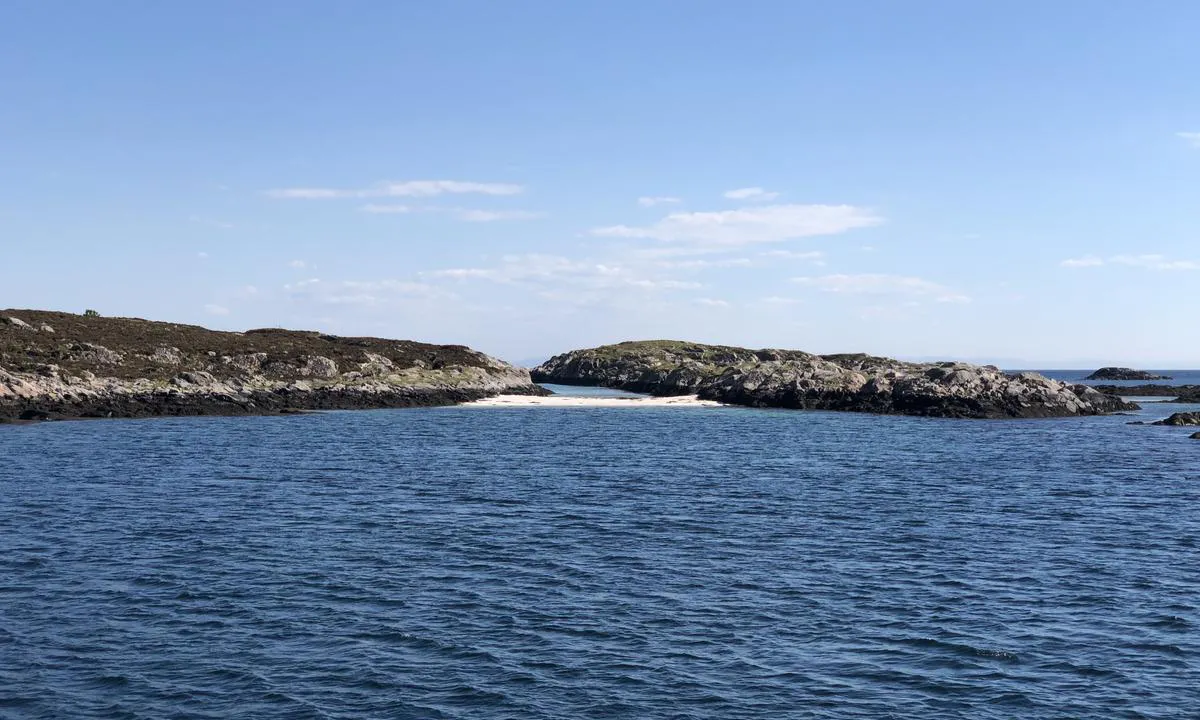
56	364
848	382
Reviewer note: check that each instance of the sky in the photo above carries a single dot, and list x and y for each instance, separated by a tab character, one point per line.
1011	182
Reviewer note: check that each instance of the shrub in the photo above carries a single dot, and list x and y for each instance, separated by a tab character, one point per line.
90	313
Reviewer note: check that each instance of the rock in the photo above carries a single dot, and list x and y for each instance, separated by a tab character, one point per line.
1181	419
167	356
93	353
1124	373
46	328
320	367
1195	436
36	415
800	380
17	322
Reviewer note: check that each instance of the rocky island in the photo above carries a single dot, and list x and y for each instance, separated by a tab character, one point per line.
1124	373
61	365
850	382
1179	393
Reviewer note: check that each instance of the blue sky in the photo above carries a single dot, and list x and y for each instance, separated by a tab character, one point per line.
1017	182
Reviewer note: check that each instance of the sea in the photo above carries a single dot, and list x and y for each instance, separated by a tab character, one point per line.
562	563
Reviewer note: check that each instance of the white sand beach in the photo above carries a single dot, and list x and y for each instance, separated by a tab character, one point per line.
563	401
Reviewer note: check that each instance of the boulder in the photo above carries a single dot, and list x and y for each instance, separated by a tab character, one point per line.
16	322
1181	419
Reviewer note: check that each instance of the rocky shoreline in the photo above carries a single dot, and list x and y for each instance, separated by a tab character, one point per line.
64	366
1180	393
800	380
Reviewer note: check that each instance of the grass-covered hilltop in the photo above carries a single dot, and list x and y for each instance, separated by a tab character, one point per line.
795	379
55	364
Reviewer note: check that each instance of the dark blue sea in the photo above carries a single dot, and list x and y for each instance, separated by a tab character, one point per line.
599	563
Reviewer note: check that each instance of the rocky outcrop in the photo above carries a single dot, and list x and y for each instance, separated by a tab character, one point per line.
1195	436
1172	391
1183	419
1124	373
795	379
1188	394
124	367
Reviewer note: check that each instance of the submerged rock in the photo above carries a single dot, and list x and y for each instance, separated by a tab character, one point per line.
1124	373
850	382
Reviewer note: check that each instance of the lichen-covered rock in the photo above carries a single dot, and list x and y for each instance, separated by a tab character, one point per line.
87	352
167	356
319	367
850	382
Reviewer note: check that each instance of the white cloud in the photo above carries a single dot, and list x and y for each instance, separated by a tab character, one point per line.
465	214
545	271
816	257
652	200
1191	138
753	194
710	302
407	188
1154	262
1146	262
703	264
494	215
212	309
881	284
202	255
362	293
777	300
298	264
1080	262
772	223
387	209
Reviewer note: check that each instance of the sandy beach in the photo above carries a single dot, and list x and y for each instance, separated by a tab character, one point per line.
562	401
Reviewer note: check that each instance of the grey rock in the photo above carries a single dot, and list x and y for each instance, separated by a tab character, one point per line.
17	322
1181	419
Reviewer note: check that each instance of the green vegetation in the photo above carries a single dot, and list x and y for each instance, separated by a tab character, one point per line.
90	313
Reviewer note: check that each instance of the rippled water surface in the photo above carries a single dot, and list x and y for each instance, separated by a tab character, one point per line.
599	563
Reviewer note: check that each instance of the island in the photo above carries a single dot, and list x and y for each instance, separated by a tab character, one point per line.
56	365
847	382
1124	373
1178	393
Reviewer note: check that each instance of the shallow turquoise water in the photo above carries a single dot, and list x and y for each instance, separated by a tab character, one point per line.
599	563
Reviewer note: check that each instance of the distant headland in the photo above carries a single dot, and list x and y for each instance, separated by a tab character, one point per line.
1124	373
848	382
